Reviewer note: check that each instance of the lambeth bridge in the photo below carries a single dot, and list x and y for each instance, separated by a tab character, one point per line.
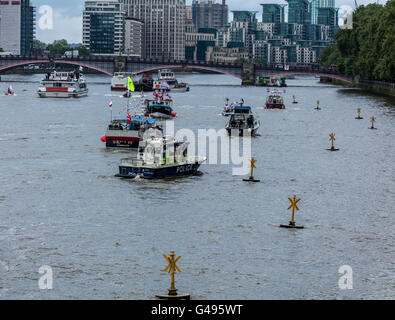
246	72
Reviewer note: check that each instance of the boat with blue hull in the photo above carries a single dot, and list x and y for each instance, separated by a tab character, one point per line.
160	107
127	133
160	158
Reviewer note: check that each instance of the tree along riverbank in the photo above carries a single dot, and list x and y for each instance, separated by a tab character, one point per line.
380	87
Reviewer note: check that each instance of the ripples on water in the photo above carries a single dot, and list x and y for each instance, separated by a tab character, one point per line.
60	204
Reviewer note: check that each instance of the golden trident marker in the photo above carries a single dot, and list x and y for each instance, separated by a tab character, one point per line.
318	105
332	139
252	166
294	206
172	268
373	120
359	114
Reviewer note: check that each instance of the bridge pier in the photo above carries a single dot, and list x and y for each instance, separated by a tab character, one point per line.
248	74
120	64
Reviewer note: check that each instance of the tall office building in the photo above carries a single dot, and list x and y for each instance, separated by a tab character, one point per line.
164	27
273	13
210	14
103	27
315	5
134	37
327	16
299	11
17	26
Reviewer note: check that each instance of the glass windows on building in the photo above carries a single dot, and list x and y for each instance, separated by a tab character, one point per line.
102	31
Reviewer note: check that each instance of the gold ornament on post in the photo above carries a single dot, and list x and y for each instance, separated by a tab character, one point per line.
252	166
294	206
172	268
332	139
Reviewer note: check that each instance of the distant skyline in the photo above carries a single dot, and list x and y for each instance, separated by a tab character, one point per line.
67	22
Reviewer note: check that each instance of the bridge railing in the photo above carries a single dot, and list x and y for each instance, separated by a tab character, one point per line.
312	68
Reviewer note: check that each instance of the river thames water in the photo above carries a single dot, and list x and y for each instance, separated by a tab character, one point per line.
103	237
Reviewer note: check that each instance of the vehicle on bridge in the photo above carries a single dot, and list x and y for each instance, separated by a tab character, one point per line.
275	101
63	85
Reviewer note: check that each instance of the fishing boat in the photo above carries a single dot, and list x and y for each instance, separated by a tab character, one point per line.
275	101
168	76
145	83
63	85
128	132
119	81
161	85
272	81
242	122
160	107
235	107
160	158
180	87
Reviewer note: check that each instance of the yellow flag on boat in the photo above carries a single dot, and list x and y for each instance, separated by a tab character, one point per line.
130	84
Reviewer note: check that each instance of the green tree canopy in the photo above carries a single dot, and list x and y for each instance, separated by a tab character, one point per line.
37	44
82	51
368	49
59	47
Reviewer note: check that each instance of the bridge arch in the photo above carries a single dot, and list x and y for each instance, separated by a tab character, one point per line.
326	75
76	63
188	66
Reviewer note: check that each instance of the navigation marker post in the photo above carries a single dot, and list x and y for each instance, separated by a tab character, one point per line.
292	225
318	105
332	138
252	166
359	114
172	268
373	120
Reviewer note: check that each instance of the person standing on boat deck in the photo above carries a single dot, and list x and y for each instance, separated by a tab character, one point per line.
250	121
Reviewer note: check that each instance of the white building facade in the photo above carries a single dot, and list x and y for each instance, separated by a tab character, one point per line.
164	27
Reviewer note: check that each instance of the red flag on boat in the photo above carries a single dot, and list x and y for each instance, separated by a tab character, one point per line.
110	105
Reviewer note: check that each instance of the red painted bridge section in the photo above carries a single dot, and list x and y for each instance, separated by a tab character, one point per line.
3	68
220	69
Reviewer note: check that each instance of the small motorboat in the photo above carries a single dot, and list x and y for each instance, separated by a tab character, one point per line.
275	101
235	108
128	132
160	158
180	87
161	85
160	107
243	123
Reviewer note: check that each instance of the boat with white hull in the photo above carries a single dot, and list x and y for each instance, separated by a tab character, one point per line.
63	85
119	81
